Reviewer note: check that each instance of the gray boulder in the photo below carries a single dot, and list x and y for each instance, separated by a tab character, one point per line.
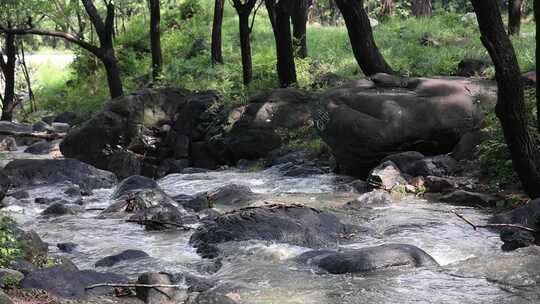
125	255
386	176
133	184
40	148
230	195
159	295
466	198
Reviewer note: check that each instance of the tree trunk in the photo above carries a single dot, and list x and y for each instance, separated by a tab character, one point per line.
217	56
8	69
514	16
510	108
281	25
363	44
421	8
387	8
245	47
155	41
113	74
537	55
299	21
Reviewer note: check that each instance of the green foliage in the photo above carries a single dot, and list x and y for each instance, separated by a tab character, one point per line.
9	281
9	246
189	8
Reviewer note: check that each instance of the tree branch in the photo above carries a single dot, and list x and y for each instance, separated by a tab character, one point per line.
133	285
476	226
94	17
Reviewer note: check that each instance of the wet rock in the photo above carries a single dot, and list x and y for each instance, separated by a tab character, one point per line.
8	144
248	165
466	198
386	176
528	216
213	298
159	295
133	184
60	127
74	191
33	172
5	184
59	209
162	217
66	247
171	166
360	186
67	281
441	165
405	161
467	147
514	238
439	184
192	170
4	299
230	195
364	122
44	200
370	258
33	248
20	194
40	148
376	198
293	224
196	203
209	154
124	164
125	255
284	156
469	67
10	275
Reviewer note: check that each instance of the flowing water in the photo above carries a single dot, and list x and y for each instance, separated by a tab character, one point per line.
265	270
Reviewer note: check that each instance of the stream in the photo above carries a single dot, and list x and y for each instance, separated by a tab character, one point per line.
266	269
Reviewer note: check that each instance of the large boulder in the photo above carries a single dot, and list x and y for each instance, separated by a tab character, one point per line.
132	184
66	281
527	216
230	195
146	123
368	259
368	120
125	255
34	172
255	127
295	224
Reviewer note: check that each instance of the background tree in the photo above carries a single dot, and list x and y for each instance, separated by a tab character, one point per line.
217	56
244	9
510	108
8	71
155	37
514	16
387	8
363	44
421	8
299	21
104	30
280	18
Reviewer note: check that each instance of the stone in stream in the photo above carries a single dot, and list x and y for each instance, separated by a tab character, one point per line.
133	184
230	195
66	247
59	209
528	216
20	194
34	172
405	161
366	121
66	281
466	198
5	184
368	259
386	176
294	224
196	203
375	198
159	295
125	255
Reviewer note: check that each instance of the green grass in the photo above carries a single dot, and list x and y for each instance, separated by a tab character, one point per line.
329	49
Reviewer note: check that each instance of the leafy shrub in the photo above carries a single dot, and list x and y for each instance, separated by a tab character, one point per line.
9	246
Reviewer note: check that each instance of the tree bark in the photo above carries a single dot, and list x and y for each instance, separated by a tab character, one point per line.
510	108
421	8
514	16
281	25
387	8
8	69
299	22
363	44
155	40
537	55
217	56
244	11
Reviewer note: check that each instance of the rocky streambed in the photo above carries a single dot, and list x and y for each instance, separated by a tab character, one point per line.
268	238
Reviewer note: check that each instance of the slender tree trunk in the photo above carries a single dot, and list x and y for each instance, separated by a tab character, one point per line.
510	108
387	8
421	8
281	25
245	47
514	16
113	74
155	40
536	18
217	56
299	21
8	68
363	44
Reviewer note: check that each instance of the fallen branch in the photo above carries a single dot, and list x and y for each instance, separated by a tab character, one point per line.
145	222
128	285
476	226
46	136
94	209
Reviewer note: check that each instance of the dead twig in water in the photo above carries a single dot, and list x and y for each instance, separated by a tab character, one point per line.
145	222
131	285
46	136
476	226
